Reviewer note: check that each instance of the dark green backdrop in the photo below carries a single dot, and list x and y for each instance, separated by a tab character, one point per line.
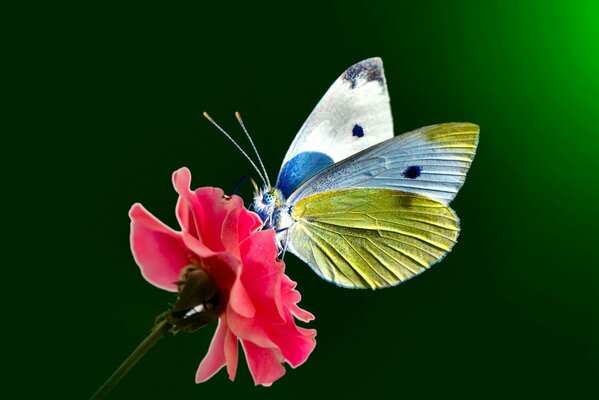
113	98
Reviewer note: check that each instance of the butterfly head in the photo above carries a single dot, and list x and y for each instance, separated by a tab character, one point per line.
266	201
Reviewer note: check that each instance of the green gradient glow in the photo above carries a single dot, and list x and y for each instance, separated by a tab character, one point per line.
512	312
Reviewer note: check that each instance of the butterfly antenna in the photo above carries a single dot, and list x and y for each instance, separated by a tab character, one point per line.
238	116
241	180
209	118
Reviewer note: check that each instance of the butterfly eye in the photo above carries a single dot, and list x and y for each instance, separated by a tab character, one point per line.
268	198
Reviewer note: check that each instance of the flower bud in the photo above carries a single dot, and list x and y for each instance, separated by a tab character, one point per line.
198	302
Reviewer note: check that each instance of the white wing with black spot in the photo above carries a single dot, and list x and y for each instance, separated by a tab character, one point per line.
353	115
430	161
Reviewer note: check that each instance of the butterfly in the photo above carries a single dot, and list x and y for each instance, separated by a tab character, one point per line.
362	208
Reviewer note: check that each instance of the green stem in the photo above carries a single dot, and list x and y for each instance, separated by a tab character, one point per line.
158	332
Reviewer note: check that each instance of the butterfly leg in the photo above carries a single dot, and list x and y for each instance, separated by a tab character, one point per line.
282	241
284	249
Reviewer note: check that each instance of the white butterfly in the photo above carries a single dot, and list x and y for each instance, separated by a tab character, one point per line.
363	208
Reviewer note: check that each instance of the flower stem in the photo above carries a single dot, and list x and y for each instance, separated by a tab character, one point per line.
158	332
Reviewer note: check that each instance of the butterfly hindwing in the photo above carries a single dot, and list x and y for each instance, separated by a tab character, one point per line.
371	238
353	115
430	161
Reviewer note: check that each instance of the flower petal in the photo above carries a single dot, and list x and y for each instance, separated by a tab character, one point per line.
291	297
295	343
188	212
220	222
262	273
229	233
158	250
196	246
240	301
216	207
231	354
300	313
264	364
249	222
215	358
274	296
223	268
202	212
249	329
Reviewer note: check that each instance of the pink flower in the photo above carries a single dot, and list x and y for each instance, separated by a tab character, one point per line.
259	302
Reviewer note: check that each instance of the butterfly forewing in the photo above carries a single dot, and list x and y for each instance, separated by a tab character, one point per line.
353	115
430	161
371	238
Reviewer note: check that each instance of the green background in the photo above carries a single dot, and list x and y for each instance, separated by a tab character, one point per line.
110	101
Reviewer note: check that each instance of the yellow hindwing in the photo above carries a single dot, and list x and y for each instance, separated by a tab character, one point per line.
371	238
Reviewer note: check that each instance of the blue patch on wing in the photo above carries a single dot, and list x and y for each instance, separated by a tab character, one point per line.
299	168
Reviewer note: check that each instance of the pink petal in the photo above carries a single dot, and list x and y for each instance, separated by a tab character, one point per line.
300	313
231	354
186	218
157	249
264	364
262	273
196	246
249	329
249	222
218	221
223	268
240	301
215	358
229	233
202	212
295	343
188	213
215	207
275	299
290	297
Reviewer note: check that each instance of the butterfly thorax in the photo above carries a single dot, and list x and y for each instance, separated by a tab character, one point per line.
270	205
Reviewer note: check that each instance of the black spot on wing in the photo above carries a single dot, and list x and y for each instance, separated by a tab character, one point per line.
358	131
412	172
367	70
